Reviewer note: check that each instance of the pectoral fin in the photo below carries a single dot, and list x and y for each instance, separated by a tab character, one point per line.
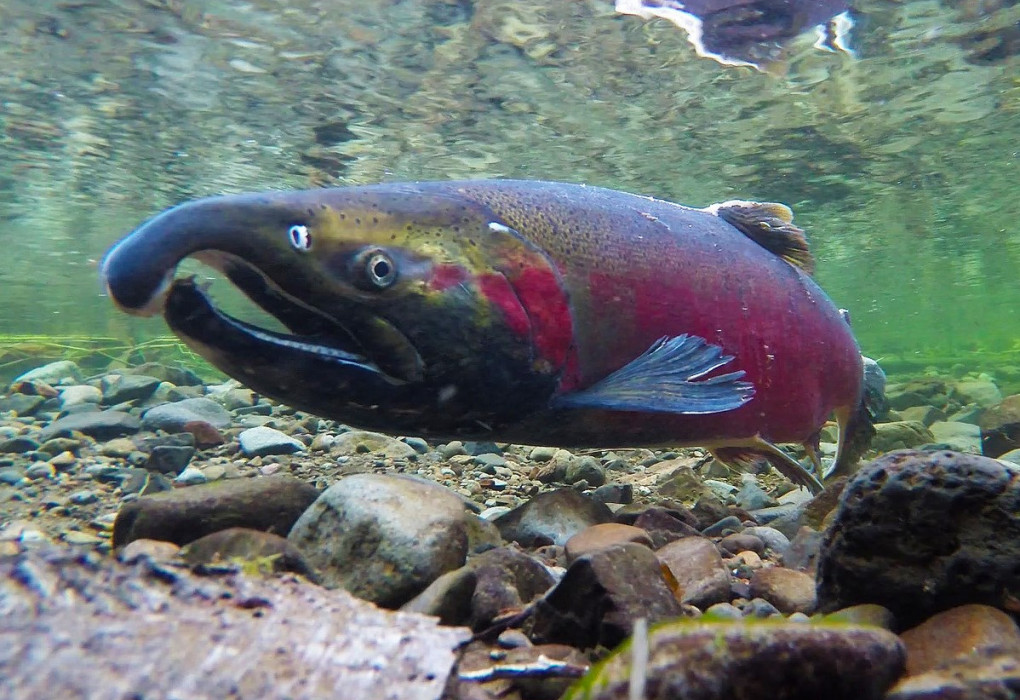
667	379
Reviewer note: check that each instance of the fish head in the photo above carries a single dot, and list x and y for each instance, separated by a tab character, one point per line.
405	309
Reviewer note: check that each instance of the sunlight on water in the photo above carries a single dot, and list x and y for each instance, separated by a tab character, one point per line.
901	163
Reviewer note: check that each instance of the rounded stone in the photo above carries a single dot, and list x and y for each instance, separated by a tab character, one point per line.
383	538
602	536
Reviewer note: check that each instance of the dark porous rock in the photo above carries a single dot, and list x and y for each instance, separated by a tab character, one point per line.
172	417
1000	427
254	550
790	591
101	425
384	538
78	625
741	542
169	459
921	532
698	569
602	595
748	660
490	584
118	388
986	674
552	517
271	503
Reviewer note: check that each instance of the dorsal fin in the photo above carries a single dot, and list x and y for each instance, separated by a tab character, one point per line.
770	225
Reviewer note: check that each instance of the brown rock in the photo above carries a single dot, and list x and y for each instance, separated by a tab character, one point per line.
601	596
740	542
790	591
602	536
271	503
959	632
206	435
988	674
698	569
748	660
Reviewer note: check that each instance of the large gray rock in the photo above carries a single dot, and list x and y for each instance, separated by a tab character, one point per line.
263	440
101	425
921	532
172	417
271	503
52	373
552	517
745	660
384	538
118	388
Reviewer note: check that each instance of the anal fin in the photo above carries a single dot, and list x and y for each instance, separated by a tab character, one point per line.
667	378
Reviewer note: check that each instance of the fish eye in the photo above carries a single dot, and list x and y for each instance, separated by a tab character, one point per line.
381	270
374	269
300	237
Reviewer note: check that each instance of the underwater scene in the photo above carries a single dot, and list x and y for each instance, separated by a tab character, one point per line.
510	349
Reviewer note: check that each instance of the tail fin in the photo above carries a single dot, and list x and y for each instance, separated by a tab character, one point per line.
857	427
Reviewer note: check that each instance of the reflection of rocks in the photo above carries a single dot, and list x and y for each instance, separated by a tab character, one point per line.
921	532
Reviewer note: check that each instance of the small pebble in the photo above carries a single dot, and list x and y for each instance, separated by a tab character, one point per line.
191	476
83	498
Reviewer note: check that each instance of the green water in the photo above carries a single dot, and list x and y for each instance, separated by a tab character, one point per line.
902	163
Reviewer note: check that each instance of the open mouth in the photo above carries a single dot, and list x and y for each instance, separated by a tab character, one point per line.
363	339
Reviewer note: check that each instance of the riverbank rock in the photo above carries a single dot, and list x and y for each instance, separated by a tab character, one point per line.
101	425
602	595
384	538
747	660
83	626
921	532
552	517
172	417
271	504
